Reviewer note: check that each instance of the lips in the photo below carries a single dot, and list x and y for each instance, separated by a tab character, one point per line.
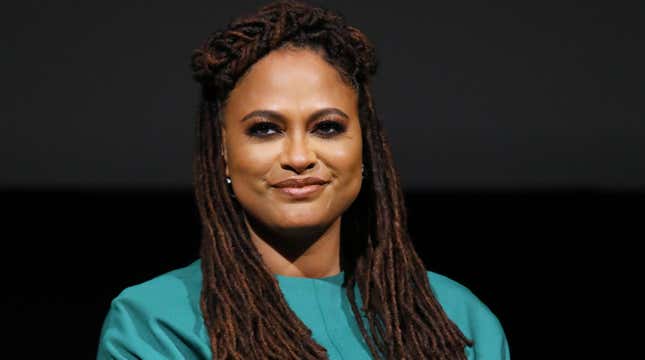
301	188
298	183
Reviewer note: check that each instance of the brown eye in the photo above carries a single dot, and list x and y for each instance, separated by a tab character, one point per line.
329	128
263	129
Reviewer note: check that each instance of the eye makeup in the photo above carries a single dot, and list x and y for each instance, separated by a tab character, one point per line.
325	128
329	127
262	129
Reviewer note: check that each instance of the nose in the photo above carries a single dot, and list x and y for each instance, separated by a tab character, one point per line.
297	154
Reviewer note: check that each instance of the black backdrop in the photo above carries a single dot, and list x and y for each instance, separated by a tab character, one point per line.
474	94
517	129
553	266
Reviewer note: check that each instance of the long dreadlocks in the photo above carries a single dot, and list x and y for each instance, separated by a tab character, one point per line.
244	310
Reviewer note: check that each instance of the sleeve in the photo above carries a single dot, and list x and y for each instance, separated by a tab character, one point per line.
126	334
490	341
132	331
475	320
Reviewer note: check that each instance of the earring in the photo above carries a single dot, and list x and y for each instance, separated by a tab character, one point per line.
228	181
362	170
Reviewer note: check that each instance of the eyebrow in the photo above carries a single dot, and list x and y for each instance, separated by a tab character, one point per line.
278	116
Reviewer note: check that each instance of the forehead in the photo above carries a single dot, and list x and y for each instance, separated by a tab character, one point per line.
291	80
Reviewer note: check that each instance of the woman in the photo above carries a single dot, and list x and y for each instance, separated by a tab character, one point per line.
304	252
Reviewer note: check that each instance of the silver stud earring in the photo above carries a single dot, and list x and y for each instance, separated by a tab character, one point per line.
228	181
362	170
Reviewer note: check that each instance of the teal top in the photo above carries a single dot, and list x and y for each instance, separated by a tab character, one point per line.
161	318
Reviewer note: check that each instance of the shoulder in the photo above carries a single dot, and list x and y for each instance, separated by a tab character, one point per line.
457	300
157	318
173	289
475	320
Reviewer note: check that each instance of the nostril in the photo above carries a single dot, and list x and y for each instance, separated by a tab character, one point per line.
298	168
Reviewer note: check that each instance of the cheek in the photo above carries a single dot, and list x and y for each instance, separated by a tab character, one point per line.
251	159
344	159
249	165
345	165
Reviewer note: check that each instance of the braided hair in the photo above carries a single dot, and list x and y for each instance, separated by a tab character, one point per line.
244	310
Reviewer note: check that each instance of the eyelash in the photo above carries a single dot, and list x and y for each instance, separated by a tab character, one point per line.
336	126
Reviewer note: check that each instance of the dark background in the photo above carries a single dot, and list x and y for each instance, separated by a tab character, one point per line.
517	128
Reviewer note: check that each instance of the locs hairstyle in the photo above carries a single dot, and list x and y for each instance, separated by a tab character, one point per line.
244	310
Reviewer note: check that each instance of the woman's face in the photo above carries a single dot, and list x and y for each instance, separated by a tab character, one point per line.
292	117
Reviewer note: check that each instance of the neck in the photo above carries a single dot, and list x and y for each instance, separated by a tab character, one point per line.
303	252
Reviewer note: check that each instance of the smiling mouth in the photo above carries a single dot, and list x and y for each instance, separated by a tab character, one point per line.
301	192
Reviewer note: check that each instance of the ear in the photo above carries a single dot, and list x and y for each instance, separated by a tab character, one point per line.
224	152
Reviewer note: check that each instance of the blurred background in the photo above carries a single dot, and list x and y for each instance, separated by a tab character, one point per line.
517	129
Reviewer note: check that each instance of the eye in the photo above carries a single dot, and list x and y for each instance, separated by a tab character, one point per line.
263	129
329	128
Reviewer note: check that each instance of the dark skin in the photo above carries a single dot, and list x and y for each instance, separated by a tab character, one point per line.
292	115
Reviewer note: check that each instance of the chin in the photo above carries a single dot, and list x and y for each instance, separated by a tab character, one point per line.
301	217
298	222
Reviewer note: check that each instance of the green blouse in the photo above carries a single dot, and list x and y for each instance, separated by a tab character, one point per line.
161	318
